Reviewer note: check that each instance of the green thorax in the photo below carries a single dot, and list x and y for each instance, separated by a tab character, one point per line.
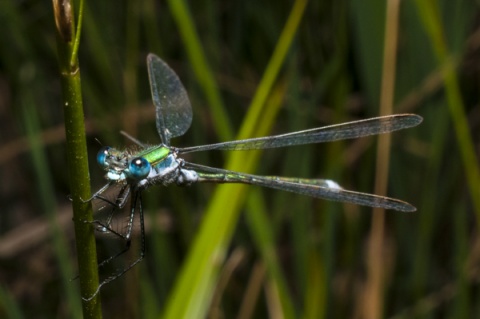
154	154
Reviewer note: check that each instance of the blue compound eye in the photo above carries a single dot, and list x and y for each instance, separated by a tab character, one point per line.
139	168
102	156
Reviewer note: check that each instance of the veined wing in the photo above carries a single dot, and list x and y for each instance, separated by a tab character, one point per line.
349	130
173	108
324	189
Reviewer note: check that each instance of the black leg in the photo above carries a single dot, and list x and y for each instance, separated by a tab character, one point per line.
99	192
137	197
119	203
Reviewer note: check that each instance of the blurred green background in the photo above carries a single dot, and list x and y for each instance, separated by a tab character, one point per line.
278	254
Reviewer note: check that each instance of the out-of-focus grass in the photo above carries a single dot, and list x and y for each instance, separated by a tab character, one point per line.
47	197
9	307
302	257
196	284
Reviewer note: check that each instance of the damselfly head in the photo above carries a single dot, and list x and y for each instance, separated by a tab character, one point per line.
111	159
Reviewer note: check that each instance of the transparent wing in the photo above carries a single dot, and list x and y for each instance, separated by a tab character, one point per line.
173	108
349	130
318	188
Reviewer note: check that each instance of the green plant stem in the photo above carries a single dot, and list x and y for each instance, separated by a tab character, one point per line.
76	44
77	159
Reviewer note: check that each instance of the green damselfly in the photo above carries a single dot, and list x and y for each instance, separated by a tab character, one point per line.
134	171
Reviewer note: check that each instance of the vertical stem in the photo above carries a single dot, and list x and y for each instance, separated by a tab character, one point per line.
77	159
376	251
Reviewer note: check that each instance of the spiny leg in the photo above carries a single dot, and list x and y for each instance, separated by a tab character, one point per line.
101	226
119	203
136	197
128	234
96	195
106	227
99	193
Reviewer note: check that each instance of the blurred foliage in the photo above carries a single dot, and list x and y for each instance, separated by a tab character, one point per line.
288	254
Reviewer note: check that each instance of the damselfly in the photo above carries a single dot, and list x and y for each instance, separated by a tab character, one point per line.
134	171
